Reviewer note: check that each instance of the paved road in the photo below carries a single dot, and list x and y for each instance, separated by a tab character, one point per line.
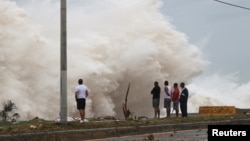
187	135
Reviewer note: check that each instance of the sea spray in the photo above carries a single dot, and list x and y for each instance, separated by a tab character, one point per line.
110	44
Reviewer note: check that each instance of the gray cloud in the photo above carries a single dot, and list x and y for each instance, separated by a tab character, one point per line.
228	45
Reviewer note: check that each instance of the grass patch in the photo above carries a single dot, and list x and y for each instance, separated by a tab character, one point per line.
39	125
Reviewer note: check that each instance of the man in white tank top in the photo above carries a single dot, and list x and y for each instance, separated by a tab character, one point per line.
167	98
81	93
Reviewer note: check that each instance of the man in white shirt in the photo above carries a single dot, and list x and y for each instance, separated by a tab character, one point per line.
167	98
81	93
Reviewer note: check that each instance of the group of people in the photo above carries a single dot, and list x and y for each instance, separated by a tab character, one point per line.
175	95
171	95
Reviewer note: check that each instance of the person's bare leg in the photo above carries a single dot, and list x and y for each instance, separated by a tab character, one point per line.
168	112
81	114
158	110
155	112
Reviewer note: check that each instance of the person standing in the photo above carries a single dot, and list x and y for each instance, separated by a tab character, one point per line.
183	99
175	98
156	98
167	98
81	93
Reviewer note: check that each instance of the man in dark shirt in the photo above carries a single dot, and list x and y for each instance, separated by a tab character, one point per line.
156	91
183	99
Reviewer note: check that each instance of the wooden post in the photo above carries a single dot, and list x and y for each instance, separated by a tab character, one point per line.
126	111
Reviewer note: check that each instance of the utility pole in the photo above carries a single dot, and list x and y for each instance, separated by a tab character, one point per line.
63	77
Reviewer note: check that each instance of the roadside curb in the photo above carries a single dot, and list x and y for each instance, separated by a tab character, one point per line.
86	134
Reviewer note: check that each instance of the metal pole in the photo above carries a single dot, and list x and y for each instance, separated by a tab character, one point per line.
63	77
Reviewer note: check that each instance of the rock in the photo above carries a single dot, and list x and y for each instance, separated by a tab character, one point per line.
142	118
32	127
69	119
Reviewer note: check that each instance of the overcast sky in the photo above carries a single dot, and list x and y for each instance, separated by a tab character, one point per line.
221	31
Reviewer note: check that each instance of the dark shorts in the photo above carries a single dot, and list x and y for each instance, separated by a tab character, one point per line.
156	103
167	103
176	104
81	103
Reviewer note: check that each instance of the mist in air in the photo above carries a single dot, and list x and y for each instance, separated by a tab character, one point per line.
110	44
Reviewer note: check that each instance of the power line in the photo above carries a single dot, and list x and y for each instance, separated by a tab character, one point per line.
233	5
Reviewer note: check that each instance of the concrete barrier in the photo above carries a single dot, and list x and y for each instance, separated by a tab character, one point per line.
217	110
